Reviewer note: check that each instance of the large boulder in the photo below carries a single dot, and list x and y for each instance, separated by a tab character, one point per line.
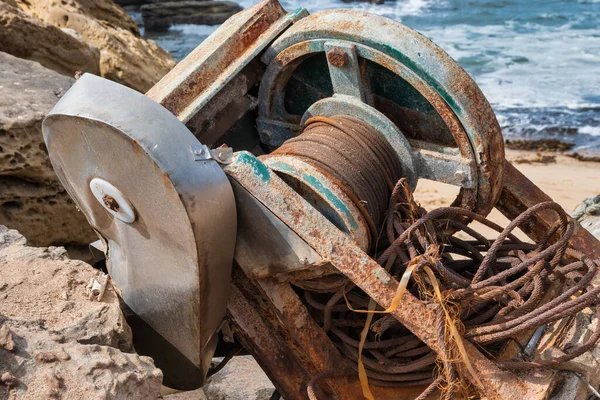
55	342
31	198
27	37
160	16
125	57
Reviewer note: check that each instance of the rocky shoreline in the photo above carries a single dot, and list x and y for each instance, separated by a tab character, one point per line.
43	44
56	342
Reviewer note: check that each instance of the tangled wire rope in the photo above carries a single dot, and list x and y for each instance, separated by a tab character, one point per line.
492	291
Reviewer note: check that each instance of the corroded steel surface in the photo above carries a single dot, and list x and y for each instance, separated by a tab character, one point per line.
257	327
331	243
275	326
412	57
322	190
337	57
202	74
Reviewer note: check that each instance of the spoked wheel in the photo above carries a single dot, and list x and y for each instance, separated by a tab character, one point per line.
425	105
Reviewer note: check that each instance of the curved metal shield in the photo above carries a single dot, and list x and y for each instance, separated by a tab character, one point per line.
167	216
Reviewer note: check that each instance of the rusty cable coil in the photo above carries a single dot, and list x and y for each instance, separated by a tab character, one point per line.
355	156
495	288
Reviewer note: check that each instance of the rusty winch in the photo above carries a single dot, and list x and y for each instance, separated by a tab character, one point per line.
251	187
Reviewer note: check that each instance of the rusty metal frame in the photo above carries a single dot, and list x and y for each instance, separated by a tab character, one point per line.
518	194
340	250
197	79
269	317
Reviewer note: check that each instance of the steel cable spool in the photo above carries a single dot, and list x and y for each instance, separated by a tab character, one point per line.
355	156
430	111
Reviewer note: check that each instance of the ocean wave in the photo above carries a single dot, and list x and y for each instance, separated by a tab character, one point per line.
546	67
590	130
393	9
190	29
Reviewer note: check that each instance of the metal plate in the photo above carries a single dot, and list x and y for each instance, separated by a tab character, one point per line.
198	78
172	264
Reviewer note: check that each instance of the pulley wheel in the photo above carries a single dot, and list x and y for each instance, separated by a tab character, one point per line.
166	216
426	106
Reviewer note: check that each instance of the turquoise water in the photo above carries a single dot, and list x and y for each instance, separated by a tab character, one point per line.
538	62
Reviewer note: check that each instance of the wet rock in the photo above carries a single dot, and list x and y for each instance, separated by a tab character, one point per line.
539	145
79	353
125	57
60	50
160	16
31	198
585	156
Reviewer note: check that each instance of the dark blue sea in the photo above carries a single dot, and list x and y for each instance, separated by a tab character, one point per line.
538	62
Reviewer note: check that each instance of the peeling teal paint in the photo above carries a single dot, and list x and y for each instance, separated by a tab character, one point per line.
401	57
259	168
323	190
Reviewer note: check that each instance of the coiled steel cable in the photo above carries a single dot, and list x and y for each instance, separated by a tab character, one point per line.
497	288
354	155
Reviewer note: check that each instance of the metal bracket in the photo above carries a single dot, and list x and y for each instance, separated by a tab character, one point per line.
222	155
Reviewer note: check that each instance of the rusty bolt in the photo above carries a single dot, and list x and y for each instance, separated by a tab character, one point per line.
110	202
337	57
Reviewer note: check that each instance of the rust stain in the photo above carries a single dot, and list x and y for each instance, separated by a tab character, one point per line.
205	65
361	269
338	58
110	202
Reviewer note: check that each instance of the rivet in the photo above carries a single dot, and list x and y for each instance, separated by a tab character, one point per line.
460	175
337	57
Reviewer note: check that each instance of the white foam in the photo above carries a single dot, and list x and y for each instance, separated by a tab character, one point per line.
190	29
393	9
547	67
590	130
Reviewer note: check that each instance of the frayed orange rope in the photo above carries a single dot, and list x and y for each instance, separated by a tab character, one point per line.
402	285
450	323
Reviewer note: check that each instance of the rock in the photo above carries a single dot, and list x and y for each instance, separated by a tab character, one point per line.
27	37
197	394
539	145
31	198
102	12
80	351
125	57
241	379
160	16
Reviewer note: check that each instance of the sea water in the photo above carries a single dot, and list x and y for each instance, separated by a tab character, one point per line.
537	61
